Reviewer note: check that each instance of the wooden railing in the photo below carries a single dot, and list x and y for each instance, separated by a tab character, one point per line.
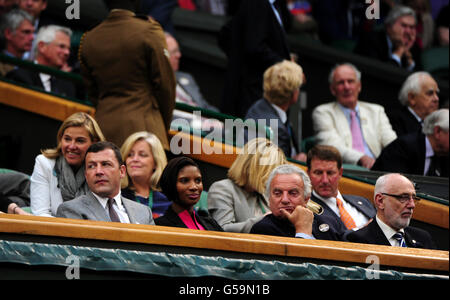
352	253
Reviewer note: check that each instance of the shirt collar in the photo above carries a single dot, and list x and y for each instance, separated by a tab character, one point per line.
281	113
414	114
333	199
104	201
428	149
387	230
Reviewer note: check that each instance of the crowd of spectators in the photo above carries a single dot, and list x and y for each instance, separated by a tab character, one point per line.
133	80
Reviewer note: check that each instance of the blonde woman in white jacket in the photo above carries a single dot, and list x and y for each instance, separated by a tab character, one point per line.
58	173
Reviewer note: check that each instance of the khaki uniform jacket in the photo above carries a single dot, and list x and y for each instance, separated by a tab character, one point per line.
125	64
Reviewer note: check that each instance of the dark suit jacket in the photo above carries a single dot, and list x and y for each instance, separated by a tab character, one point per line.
360	203
407	155
161	11
125	65
58	86
262	109
403	121
324	227
171	219
372	234
254	40
375	45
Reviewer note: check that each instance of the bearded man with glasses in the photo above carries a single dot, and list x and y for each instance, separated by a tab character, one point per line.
395	199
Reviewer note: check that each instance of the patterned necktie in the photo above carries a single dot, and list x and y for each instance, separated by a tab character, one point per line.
112	213
399	237
345	216
357	139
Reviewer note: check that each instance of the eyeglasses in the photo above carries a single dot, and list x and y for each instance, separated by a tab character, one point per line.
403	198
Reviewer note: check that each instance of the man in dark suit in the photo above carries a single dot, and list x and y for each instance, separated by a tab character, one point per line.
325	170
254	40
16	36
161	11
395	44
104	170
395	199
52	49
419	98
282	83
288	190
423	152
36	8
125	66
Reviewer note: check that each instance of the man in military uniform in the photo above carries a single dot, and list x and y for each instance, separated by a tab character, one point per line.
125	65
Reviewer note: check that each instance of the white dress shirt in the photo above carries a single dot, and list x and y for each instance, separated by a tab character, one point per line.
429	153
117	206
389	232
359	218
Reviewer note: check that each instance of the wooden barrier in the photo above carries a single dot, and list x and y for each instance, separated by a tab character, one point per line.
424	259
40	103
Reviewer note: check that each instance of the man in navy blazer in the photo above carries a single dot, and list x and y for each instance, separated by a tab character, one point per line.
395	199
288	189
395	44
419	98
282	83
325	170
423	152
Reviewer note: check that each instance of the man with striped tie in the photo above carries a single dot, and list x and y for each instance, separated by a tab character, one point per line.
395	200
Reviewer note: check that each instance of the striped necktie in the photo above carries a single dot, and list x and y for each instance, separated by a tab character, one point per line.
345	216
399	237
357	138
112	213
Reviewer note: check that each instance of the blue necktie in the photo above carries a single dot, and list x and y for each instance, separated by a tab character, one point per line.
399	237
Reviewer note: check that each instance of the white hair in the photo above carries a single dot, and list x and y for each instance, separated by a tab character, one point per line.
437	118
412	84
290	169
355	69
47	34
397	12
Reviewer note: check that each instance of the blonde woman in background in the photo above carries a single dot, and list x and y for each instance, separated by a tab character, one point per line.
58	173
238	202
145	160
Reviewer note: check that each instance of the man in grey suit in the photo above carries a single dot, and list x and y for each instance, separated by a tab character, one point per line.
325	171
188	90
104	170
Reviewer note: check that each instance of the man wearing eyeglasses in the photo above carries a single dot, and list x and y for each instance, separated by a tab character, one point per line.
395	200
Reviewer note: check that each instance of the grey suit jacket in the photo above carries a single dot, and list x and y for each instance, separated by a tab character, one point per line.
87	207
190	86
235	209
